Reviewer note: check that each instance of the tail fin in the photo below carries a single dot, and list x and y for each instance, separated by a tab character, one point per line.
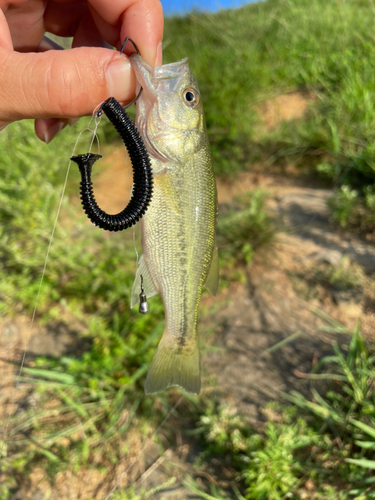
174	365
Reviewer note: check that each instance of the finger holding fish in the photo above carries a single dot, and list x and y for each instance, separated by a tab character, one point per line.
53	86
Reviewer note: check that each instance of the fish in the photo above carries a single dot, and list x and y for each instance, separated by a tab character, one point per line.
178	230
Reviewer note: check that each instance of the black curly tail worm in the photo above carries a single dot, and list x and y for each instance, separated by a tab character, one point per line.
142	174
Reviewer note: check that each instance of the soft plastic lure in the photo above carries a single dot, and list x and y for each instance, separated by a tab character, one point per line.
141	165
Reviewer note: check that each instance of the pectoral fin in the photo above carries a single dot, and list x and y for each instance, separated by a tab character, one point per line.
212	280
148	284
169	193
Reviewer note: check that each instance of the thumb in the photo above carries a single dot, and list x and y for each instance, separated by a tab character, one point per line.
61	84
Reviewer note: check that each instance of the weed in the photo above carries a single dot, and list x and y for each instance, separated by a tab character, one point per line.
216	493
347	408
352	210
331	452
266	462
344	281
244	228
343	204
224	430
142	493
273	470
345	275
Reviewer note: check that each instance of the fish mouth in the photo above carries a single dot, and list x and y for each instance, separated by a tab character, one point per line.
150	79
144	73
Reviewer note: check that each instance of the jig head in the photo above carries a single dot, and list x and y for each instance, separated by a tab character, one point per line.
143	305
141	165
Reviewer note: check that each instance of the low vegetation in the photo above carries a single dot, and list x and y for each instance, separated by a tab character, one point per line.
86	403
320	447
345	281
244	227
243	57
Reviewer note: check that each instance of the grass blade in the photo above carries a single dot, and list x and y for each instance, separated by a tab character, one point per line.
362	462
364	427
64	378
367	445
282	343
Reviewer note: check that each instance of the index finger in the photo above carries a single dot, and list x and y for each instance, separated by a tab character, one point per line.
141	20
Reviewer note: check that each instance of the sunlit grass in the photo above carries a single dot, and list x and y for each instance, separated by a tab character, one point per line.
325	440
243	57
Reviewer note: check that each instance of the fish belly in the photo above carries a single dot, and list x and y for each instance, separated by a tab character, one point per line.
178	238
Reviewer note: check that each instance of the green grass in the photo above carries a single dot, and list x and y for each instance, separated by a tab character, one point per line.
86	403
325	441
243	57
142	493
243	227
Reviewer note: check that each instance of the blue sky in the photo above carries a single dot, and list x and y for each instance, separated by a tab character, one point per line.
181	6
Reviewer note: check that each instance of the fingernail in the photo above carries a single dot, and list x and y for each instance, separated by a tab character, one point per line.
159	55
53	130
119	79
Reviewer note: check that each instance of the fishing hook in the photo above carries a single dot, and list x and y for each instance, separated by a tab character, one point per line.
137	50
127	39
141	165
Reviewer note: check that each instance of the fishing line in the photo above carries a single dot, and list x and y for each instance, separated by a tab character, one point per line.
46	259
130	184
97	120
136	251
145	446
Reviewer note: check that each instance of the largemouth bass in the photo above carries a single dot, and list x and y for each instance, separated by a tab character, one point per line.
178	229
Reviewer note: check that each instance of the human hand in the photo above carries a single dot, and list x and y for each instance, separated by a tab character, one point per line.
39	80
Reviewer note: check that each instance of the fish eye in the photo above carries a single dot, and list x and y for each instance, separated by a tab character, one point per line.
191	97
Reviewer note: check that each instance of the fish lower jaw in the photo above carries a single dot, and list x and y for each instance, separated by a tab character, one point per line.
142	126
